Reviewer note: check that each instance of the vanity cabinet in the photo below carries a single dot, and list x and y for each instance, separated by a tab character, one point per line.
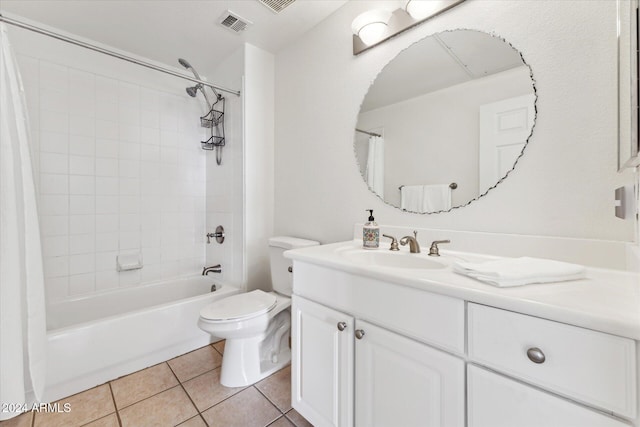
368	352
391	379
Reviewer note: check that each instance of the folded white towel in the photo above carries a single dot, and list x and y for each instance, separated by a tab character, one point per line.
436	198
411	198
520	271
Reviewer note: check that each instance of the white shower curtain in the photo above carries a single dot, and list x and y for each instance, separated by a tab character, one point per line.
22	307
375	165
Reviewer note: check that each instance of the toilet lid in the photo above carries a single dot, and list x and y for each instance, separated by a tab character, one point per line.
238	306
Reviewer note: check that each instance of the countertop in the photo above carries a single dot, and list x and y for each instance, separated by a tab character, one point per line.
606	300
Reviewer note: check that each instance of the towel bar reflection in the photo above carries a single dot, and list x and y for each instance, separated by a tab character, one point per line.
452	186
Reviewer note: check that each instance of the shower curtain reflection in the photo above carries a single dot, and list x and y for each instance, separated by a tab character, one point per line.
22	307
375	165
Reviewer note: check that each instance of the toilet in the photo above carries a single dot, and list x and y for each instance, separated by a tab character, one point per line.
256	324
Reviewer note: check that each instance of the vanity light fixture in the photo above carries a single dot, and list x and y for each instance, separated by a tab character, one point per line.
375	26
371	25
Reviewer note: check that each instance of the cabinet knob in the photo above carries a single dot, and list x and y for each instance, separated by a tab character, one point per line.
342	326
290	269
536	355
359	333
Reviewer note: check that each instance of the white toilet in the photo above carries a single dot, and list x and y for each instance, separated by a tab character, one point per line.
256	324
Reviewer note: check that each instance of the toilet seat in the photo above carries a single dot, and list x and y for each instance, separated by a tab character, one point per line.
241	306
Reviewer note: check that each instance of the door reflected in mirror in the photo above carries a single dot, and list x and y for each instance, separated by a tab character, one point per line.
445	121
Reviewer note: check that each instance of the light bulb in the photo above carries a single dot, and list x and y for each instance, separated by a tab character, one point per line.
371	25
421	9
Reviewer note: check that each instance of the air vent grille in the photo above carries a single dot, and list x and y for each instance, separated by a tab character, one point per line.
234	22
276	6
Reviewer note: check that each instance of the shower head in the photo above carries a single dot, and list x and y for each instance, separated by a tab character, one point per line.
184	63
193	91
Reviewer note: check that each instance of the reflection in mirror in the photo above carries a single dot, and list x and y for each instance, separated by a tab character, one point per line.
457	108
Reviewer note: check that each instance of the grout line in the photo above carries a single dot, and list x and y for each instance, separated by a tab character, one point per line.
113	397
269	400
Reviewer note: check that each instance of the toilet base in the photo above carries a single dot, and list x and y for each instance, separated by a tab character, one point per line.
248	360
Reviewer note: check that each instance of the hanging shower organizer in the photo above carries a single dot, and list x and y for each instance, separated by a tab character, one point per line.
214	120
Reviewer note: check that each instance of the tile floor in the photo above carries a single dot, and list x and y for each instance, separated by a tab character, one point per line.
184	391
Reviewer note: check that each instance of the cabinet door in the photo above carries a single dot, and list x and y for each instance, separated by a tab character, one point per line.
497	401
400	382
322	364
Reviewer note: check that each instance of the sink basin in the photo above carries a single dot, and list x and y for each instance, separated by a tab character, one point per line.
392	259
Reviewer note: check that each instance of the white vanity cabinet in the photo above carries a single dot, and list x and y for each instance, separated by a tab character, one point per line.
372	352
397	381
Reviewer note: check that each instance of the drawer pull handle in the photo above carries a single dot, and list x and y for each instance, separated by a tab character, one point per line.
536	355
342	326
359	333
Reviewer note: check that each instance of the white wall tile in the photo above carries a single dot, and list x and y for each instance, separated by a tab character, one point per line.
107	128
54	121
129	133
82	185
107	223
128	168
81	264
51	142
129	240
150	153
129	278
55	246
82	244
82	205
56	266
53	76
106	167
129	204
54	183
106	261
54	163
107	242
57	288
54	100
82	224
82	283
106	90
82	125
149	119
107	186
53	205
82	165
130	222
107	148
107	204
82	145
107	280
54	225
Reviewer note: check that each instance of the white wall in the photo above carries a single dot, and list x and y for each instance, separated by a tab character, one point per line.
563	185
258	164
433	138
118	165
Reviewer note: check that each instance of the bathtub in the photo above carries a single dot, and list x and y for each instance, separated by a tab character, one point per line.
91	340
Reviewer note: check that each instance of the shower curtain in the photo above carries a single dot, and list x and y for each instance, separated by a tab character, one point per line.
375	165
22	307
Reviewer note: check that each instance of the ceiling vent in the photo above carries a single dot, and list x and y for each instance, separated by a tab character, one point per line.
276	6
234	22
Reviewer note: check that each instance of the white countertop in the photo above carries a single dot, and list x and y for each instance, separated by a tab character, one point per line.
606	301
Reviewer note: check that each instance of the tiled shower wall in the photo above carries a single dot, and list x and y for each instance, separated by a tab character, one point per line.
119	170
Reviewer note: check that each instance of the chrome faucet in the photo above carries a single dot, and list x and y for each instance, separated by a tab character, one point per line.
213	269
414	246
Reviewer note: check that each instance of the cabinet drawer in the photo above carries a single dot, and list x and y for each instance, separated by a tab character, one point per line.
434	319
496	401
592	367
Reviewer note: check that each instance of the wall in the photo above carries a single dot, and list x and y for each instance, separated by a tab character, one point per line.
258	164
450	118
562	186
118	165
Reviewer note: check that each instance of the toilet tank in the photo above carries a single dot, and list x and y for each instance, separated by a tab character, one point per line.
281	277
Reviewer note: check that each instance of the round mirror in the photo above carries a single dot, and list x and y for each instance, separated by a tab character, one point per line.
445	121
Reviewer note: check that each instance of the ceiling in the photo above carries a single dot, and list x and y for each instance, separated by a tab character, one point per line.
441	61
165	30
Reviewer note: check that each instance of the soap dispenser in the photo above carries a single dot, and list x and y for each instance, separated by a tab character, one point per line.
371	233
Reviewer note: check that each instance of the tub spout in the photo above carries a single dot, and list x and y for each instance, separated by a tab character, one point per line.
213	269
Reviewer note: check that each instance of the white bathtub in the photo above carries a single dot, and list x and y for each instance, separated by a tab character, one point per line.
95	339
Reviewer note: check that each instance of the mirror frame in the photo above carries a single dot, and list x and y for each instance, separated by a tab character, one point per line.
628	75
535	119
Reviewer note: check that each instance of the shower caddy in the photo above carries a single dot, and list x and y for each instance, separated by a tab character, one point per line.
214	120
